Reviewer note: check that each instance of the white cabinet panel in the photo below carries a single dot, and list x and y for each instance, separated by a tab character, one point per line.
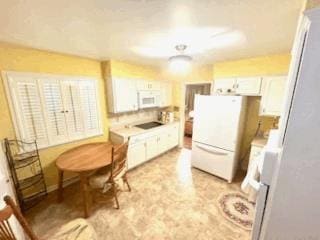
224	85
248	86
272	95
143	85
136	154
152	147
125	96
162	142
173	136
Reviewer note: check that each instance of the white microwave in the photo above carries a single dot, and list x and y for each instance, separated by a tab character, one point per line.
148	99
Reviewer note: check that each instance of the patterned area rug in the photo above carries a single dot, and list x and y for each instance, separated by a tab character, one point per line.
236	208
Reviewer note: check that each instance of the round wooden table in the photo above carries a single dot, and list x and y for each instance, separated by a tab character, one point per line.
83	160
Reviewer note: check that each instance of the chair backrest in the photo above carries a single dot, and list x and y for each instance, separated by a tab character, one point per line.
6	232
119	159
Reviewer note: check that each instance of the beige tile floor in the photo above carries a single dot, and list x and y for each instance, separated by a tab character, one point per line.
169	200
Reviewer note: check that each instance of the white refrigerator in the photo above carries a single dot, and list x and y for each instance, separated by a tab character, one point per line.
217	129
288	200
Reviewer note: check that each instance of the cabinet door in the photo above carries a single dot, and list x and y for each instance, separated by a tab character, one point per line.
163	142
165	94
173	136
272	96
153	85
136	154
249	86
152	147
125	95
224	85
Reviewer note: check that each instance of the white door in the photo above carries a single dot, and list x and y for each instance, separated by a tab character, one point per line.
249	86
216	120
136	154
126	95
224	85
273	95
7	189
152	147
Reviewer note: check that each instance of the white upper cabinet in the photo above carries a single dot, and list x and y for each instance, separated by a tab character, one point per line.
224	85
248	86
148	85
273	91
122	95
165	94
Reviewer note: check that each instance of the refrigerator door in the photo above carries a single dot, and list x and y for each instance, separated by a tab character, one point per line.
260	209
216	120
213	160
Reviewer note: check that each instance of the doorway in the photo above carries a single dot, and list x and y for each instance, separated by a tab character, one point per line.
190	91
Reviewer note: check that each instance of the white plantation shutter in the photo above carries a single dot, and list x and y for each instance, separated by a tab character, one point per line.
54	110
27	105
89	102
72	108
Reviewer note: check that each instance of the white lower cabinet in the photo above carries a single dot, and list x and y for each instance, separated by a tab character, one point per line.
152	147
149	145
136	154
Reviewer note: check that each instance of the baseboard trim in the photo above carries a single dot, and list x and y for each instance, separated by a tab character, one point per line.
66	183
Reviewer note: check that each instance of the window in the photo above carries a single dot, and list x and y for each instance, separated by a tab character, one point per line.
53	109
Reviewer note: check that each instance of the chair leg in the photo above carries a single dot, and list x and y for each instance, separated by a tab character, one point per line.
115	194
126	181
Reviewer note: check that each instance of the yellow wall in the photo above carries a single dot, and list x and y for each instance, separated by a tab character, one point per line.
16	58
125	69
200	73
267	65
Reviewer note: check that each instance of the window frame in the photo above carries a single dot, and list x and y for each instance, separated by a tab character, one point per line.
6	75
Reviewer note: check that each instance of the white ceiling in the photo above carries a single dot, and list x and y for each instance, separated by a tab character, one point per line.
146	31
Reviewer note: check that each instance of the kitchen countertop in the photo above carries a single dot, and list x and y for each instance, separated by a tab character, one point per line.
132	130
259	141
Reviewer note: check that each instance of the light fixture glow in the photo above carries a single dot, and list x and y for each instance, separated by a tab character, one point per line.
180	63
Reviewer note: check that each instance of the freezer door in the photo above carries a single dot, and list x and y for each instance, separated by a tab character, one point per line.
216	120
213	160
260	209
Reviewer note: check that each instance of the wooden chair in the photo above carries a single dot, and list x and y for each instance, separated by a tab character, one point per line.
78	229
117	171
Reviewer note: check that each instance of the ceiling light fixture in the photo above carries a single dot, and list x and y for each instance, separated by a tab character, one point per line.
180	63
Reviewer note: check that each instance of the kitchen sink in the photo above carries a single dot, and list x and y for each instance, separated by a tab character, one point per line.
149	125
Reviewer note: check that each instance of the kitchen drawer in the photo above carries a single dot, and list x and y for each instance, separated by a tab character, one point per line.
213	160
137	139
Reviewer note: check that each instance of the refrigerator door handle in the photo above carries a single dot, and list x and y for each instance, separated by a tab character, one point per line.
208	149
255	184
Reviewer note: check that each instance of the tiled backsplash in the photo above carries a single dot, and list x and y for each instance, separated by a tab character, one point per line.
128	118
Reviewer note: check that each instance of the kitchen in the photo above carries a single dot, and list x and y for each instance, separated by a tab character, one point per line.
181	131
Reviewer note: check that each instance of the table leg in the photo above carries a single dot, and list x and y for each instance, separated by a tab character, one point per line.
60	186
85	194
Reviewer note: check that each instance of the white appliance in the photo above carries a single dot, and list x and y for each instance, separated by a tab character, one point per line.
148	99
217	129
289	191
